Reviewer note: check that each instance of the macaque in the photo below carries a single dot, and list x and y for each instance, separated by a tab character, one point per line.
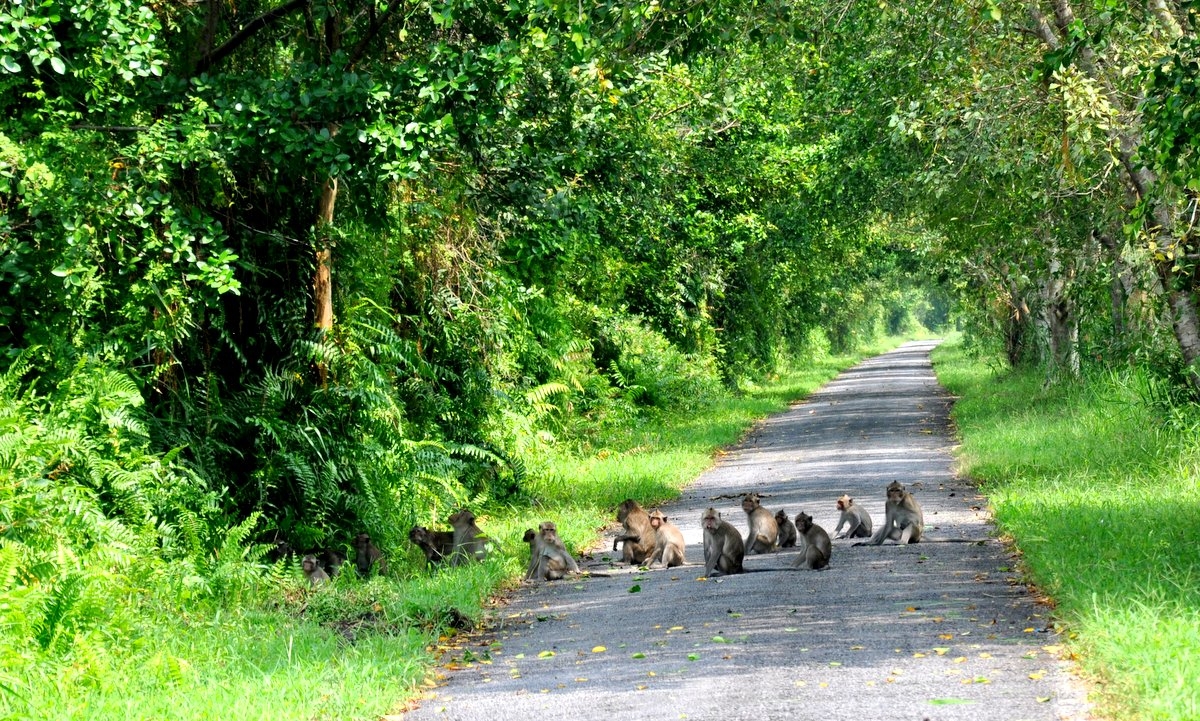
468	539
331	561
668	544
366	555
814	544
903	520
436	545
313	571
639	535
856	516
787	530
723	547
764	532
548	557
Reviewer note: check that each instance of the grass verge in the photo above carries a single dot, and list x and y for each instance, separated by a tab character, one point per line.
361	649
1098	488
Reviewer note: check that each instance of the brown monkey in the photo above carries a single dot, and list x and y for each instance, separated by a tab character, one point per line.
723	547
856	516
668	544
468	539
787	530
436	545
903	520
764	532
366	555
639	535
548	557
313	571
331	561
814	544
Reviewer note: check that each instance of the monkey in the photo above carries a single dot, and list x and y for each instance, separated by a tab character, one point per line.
787	530
814	544
468	539
764	531
331	561
723	547
436	545
856	516
313	571
903	520
668	543
366	555
639	535
549	559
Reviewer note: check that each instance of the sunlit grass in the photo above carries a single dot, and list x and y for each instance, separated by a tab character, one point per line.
1102	500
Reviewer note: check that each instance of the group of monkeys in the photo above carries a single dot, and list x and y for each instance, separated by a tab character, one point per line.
724	549
649	539
465	542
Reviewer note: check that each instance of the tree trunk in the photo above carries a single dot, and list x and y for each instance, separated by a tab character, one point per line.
322	276
1143	182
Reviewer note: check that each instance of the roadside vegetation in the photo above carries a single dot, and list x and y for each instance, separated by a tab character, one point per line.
139	637
1098	485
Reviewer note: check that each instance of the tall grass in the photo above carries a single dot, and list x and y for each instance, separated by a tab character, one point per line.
1098	487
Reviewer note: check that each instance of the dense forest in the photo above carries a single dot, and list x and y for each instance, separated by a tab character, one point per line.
277	272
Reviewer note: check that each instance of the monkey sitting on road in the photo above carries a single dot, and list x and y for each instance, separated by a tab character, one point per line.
548	557
639	536
856	516
814	544
764	532
787	530
724	550
668	547
903	520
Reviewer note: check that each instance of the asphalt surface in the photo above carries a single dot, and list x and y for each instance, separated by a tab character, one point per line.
937	630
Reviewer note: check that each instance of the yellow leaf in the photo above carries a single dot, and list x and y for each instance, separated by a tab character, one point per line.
960	659
581	680
675	628
945	636
1055	649
985	654
1043	699
940	651
545	654
598	649
1038	674
640	687
1029	630
856	648
823	684
918	655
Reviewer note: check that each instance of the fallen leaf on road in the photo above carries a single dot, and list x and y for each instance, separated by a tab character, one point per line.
599	649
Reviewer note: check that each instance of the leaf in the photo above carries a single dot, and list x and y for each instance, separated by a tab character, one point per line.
545	654
949	701
638	655
941	651
59	66
598	649
693	657
635	588
1038	674
719	639
9	64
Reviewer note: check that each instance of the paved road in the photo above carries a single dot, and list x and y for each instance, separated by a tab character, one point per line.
930	631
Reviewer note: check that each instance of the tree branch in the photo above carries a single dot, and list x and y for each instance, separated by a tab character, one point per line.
212	58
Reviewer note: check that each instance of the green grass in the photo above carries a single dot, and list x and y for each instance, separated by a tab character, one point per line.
359	650
1100	495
